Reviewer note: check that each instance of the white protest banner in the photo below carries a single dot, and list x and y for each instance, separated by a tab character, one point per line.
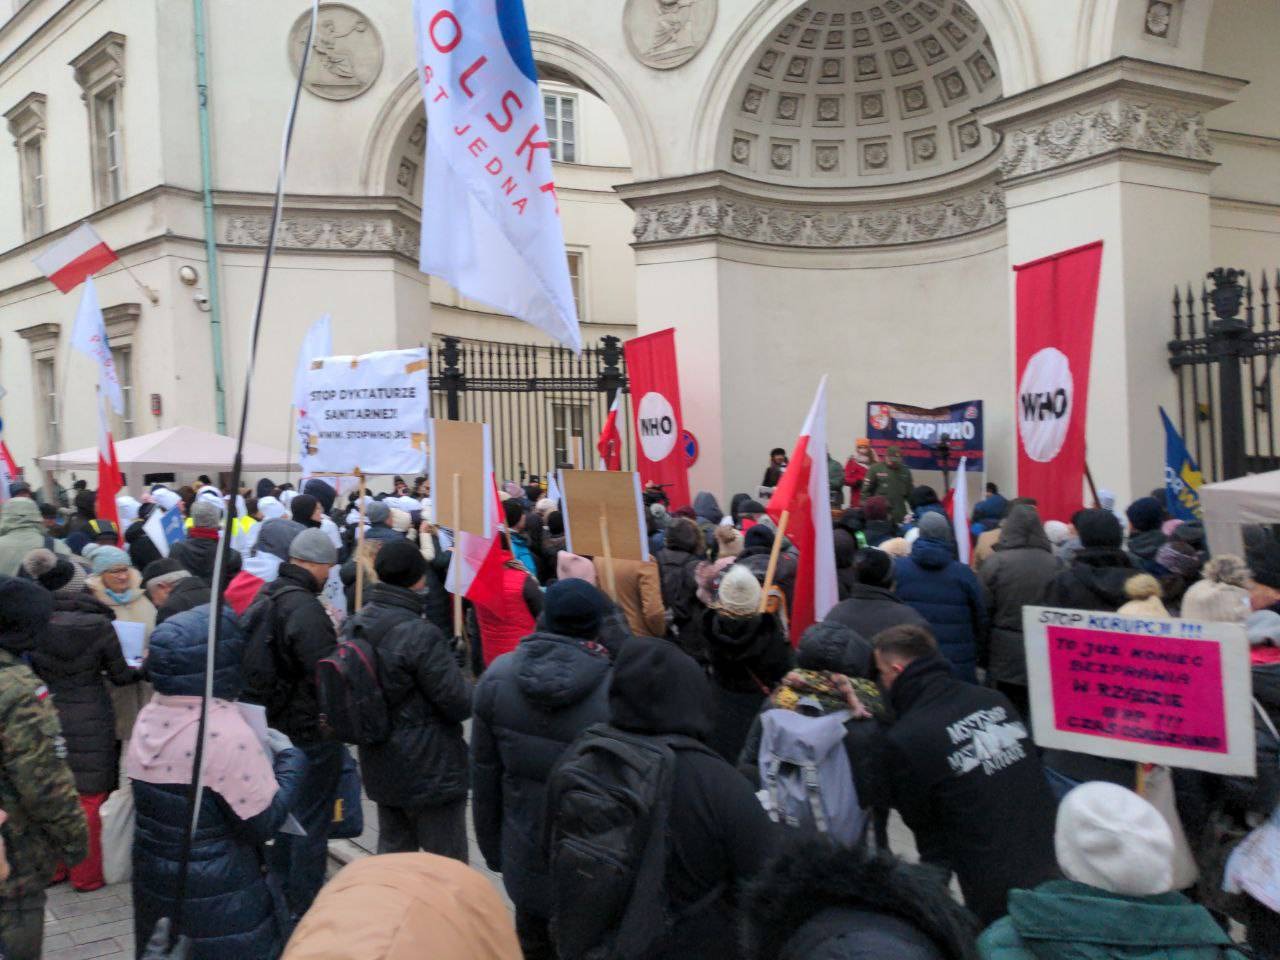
1173	692
366	414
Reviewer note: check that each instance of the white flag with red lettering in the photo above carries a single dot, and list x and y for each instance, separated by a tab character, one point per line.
490	216
77	256
804	494
89	336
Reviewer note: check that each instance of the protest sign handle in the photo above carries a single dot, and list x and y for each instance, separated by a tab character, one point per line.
458	629
773	559
1093	490
359	547
610	582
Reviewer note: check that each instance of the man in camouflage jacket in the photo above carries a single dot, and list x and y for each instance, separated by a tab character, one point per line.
45	826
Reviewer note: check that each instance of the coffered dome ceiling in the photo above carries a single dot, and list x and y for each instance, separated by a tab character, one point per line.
864	92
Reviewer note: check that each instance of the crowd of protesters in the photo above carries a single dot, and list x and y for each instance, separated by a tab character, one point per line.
651	765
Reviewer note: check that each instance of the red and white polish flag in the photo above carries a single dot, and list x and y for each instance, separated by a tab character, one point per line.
609	445
77	256
109	479
804	493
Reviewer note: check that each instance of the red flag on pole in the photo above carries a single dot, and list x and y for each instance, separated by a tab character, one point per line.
1056	300
109	479
804	493
655	397
610	443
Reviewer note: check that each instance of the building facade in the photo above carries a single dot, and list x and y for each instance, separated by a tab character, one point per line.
799	187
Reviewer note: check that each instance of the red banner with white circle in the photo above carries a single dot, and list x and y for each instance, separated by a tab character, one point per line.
655	405
1056	301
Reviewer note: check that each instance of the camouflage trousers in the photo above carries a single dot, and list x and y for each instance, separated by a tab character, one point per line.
22	927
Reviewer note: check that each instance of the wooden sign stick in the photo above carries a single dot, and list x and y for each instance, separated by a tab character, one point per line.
773	559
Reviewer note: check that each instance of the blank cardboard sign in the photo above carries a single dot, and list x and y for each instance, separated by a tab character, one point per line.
589	494
460	447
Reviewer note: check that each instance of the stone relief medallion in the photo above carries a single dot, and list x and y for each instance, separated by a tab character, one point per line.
665	34
346	52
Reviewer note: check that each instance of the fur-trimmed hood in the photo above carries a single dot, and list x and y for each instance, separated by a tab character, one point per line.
819	901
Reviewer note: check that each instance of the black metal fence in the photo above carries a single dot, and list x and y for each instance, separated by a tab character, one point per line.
545	406
1224	349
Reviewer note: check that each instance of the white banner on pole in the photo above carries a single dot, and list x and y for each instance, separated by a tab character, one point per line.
366	414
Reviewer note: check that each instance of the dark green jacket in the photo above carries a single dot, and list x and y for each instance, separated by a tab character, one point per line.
892	483
1064	920
46	825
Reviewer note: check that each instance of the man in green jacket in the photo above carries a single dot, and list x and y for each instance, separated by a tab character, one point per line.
22	530
1116	852
45	825
891	479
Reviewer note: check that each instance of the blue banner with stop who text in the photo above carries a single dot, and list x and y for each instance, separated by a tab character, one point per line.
920	431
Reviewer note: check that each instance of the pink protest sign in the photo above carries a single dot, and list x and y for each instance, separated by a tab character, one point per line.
1174	692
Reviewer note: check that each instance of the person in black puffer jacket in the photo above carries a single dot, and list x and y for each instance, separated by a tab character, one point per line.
749	654
529	706
418	777
233	909
677	561
818	901
172	588
76	657
825	650
198	552
1146	536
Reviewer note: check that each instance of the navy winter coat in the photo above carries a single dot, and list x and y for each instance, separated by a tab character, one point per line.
233	910
529	706
947	594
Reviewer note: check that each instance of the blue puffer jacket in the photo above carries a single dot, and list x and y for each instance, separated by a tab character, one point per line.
231	910
947	594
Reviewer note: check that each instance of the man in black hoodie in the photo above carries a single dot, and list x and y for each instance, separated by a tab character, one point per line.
1099	569
718	835
528	707
964	775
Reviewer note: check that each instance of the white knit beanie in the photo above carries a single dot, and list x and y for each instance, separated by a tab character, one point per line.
1110	838
1221	597
740	592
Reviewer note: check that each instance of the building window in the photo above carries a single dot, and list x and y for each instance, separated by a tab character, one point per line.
122	425
27	124
576	263
100	72
562	125
107	119
47	384
567	423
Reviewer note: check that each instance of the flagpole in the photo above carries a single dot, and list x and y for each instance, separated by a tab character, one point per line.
459	629
773	559
146	291
360	546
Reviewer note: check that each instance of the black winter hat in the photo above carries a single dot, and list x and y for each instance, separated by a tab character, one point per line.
750	508
48	569
400	564
835	647
873	567
1145	514
303	508
265	488
573	608
1098	528
160	568
25	609
1263	557
658	688
757	537
322	492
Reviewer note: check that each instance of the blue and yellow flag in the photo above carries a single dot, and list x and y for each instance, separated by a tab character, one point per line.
1182	478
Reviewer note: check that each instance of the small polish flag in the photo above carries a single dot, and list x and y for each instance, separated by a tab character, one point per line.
79	254
609	445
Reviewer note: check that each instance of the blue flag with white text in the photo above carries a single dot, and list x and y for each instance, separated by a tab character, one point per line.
1182	477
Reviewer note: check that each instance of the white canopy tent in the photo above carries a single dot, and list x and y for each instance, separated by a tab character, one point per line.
1234	504
175	450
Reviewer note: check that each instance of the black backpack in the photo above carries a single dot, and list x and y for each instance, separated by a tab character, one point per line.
608	802
269	678
353	706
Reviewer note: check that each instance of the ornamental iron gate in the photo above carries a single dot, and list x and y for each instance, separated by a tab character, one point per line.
1224	349
545	406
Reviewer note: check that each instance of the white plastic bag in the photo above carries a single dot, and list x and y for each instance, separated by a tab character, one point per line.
1158	791
117	834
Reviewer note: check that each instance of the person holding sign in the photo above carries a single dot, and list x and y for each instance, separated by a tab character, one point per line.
964	774
117	585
